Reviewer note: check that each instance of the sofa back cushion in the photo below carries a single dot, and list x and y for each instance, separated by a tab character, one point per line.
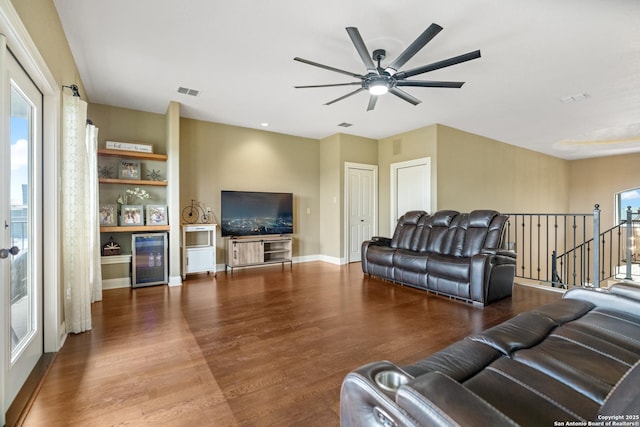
477	232
403	236
436	234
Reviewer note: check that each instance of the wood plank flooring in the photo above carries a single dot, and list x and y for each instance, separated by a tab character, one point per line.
261	347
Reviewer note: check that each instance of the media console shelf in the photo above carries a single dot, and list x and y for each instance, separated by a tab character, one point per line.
259	250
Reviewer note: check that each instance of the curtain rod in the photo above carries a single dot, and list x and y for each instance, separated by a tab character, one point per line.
74	89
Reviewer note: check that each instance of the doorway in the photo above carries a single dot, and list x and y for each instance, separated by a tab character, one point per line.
21	210
361	205
410	188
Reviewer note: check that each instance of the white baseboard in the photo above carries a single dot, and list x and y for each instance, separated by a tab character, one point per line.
120	282
175	281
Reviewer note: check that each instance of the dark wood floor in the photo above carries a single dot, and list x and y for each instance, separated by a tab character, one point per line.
261	347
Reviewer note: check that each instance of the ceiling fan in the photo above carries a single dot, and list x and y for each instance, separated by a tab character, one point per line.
379	81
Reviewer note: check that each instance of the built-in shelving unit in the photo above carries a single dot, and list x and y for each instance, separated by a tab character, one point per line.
134	155
109	190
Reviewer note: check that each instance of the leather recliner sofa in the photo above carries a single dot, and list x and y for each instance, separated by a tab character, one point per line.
450	253
572	362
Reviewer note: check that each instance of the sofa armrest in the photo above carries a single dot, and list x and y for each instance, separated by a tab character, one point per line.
435	399
500	252
383	241
616	299
364	403
491	276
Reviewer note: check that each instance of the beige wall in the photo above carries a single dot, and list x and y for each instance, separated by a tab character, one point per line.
43	24
126	125
475	172
352	149
215	157
399	148
330	196
596	181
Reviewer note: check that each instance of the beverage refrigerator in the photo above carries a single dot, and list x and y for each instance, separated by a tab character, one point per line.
148	259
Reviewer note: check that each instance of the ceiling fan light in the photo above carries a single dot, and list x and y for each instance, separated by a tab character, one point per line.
378	88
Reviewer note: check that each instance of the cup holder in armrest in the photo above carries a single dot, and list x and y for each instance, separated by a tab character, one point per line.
391	380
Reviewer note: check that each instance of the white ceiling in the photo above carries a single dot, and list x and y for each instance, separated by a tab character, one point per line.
239	54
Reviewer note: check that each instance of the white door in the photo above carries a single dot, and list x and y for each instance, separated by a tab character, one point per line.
410	188
361	190
21	219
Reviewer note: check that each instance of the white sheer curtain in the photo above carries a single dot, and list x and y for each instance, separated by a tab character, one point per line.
80	243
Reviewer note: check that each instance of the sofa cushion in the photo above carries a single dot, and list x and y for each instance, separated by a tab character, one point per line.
528	396
410	261
477	232
439	235
404	232
448	266
624	398
576	365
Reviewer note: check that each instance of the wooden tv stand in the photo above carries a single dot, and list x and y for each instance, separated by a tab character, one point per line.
258	250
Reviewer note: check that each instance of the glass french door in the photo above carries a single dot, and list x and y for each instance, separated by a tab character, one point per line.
21	216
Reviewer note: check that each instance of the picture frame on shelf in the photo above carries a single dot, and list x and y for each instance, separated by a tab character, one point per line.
107	215
157	215
128	169
131	215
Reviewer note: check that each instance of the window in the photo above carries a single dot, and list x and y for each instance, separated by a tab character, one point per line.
627	198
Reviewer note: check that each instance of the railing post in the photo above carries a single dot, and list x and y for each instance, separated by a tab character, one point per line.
596	246
629	242
554	269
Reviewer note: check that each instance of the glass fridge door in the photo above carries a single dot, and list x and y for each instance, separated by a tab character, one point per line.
149	259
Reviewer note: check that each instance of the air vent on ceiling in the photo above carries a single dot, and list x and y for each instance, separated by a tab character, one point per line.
575	98
345	124
187	91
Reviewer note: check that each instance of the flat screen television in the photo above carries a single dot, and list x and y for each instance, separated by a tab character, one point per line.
252	213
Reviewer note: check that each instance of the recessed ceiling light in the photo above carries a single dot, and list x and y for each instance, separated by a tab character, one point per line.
264	124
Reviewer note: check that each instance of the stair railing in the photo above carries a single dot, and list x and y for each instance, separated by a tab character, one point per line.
538	238
559	249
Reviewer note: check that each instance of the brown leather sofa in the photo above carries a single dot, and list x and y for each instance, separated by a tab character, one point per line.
450	253
572	362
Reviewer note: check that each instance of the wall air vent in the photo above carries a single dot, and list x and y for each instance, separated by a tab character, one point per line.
187	91
345	124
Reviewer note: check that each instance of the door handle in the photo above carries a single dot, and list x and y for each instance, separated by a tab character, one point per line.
4	253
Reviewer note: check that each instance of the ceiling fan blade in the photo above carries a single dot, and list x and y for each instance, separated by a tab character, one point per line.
372	102
413	48
329	85
440	64
326	67
345	96
356	38
404	95
430	83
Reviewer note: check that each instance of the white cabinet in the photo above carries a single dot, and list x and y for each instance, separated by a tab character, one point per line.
198	249
246	251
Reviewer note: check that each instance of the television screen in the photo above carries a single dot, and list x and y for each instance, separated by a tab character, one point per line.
249	213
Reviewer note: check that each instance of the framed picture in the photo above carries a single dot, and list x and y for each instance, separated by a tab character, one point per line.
128	169
107	215
131	215
157	215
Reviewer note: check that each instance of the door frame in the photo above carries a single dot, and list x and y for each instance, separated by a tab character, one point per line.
393	172
24	49
347	201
